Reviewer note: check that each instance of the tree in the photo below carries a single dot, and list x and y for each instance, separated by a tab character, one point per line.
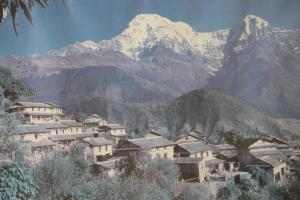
232	137
16	6
16	181
77	158
194	191
54	176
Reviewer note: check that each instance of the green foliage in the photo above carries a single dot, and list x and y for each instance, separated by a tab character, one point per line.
54	176
262	177
194	191
278	192
16	181
162	172
15	5
232	137
11	87
78	160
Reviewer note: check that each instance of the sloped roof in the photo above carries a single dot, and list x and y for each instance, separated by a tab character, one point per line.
152	142
196	134
94	118
225	146
71	123
42	114
213	161
37	104
271	161
99	141
68	137
187	160
153	133
109	164
195	147
42	143
274	153
23	129
115	126
54	125
228	153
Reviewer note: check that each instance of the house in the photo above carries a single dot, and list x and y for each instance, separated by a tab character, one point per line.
116	130
98	149
259	152
153	133
193	149
30	133
197	168
93	122
191	169
228	153
276	168
64	127
107	168
154	146
67	140
41	148
207	165
192	136
37	113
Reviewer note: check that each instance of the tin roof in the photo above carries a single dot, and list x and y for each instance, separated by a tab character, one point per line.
195	147
152	142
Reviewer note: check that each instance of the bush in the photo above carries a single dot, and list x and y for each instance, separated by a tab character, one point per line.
16	181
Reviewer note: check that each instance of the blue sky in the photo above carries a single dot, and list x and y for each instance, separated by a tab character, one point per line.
57	26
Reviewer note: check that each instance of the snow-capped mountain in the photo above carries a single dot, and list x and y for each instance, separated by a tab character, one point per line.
252	60
146	31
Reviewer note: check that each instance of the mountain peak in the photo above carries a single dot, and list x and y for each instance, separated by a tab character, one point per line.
252	23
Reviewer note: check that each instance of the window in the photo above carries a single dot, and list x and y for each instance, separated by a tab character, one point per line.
165	155
76	129
44	109
56	131
32	109
36	136
206	154
106	147
22	137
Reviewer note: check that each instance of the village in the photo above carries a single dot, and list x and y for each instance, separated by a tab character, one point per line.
47	129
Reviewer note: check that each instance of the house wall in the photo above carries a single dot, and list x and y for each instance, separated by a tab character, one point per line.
33	137
163	152
43	110
279	171
40	119
204	155
105	150
66	131
37	154
118	132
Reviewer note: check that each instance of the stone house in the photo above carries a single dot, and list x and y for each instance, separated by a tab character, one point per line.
37	113
193	149
98	149
228	153
262	153
154	146
192	136
93	122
